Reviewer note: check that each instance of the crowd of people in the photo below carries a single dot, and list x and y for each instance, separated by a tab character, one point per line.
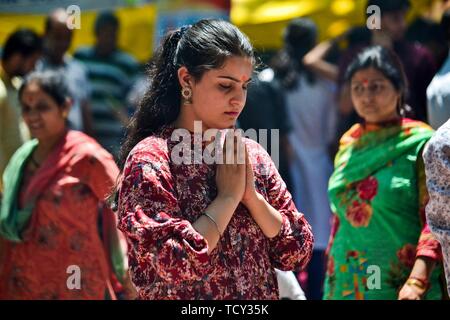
357	207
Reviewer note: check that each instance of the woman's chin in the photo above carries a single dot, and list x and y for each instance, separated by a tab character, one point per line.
37	134
230	125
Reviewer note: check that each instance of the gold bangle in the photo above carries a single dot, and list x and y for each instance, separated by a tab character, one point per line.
214	221
417	283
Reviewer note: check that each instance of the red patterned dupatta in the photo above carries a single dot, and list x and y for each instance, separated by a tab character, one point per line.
58	160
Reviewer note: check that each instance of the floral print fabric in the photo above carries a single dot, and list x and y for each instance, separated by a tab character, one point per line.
377	193
63	232
158	202
437	165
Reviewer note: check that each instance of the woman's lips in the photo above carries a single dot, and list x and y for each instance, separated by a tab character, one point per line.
370	108
35	126
232	113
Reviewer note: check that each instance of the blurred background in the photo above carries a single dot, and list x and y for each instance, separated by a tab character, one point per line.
144	21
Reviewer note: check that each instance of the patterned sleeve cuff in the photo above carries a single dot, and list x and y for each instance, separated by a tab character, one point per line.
432	253
428	245
284	230
291	249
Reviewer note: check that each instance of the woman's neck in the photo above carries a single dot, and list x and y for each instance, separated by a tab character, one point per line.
391	120
46	146
186	120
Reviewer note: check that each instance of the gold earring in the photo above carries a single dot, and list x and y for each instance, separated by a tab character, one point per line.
186	93
65	114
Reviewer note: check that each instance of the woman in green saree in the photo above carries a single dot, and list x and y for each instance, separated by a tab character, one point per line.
381	246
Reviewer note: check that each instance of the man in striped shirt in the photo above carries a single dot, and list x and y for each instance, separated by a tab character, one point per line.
111	73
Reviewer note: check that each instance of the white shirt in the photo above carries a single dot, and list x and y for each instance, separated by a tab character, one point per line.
288	286
438	96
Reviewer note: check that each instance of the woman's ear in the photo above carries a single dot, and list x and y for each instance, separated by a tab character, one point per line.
400	98
184	77
66	107
400	103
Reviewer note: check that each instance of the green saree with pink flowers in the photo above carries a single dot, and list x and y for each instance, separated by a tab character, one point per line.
377	194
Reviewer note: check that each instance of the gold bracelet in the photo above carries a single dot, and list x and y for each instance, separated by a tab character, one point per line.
214	221
417	283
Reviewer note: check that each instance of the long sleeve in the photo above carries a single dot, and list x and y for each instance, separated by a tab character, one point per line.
437	166
291	249
427	245
149	215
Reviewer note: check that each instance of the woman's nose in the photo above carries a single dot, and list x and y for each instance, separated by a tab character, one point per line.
239	98
32	114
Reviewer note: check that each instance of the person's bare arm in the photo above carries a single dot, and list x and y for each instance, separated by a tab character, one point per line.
315	60
230	179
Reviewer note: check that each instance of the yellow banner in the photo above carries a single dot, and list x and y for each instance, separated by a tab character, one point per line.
137	28
264	20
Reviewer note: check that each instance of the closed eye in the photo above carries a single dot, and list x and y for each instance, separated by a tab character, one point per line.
226	87
357	88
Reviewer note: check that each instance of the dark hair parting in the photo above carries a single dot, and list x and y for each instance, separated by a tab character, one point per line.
201	47
386	62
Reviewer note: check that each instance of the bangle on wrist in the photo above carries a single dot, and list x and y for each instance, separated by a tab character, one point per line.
214	221
418	282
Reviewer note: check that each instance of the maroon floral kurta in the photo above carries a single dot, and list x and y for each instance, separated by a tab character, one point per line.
168	258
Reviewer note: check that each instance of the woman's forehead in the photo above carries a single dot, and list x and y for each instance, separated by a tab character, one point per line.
235	68
368	74
32	87
33	93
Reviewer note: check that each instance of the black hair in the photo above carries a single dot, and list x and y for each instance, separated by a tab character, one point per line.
51	19
386	62
201	47
387	6
105	18
48	24
24	41
358	35
51	82
445	24
300	37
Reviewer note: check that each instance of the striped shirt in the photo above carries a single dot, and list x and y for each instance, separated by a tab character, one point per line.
111	78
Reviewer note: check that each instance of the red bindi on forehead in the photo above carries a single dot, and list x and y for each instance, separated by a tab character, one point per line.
31	93
244	78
